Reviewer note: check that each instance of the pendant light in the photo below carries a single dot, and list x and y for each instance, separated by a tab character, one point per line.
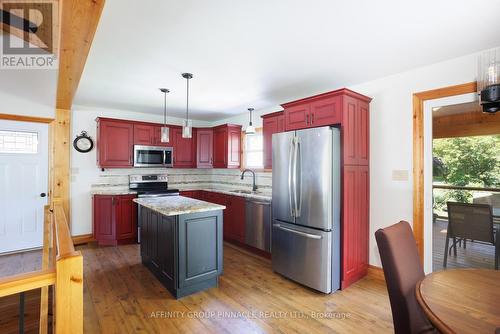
165	130
187	124
250	130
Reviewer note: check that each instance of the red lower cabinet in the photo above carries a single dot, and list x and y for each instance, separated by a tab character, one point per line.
355	224
115	219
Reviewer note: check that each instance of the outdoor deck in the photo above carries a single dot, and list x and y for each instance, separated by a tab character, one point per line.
476	255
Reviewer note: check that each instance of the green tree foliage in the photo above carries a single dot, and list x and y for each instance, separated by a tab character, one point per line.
466	161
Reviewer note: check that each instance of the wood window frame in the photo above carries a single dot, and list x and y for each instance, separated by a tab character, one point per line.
418	152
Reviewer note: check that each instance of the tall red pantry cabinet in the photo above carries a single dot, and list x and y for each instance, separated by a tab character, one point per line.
349	111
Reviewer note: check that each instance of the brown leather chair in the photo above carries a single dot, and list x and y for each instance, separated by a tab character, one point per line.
402	271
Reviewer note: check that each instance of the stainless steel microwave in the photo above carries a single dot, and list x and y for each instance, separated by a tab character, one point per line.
153	156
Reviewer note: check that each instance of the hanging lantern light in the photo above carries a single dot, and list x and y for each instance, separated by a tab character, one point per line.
165	130
250	130
187	124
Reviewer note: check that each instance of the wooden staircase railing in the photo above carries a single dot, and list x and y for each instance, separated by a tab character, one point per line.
62	267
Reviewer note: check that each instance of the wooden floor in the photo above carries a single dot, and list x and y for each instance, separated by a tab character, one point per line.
476	255
122	296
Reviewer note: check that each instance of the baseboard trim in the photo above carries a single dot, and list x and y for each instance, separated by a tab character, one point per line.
376	273
82	239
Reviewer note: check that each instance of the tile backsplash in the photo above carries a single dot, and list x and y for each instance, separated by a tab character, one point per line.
185	178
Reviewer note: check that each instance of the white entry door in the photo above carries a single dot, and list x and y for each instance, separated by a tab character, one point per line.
24	163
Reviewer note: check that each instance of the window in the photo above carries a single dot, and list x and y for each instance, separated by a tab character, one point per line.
18	142
253	150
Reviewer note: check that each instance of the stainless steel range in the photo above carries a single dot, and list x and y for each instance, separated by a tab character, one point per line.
150	185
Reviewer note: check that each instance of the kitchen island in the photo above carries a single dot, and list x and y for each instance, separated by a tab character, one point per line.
181	242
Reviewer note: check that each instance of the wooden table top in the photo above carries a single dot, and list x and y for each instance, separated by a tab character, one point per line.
461	300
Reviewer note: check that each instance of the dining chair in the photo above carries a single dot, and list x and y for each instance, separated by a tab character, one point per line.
471	221
402	270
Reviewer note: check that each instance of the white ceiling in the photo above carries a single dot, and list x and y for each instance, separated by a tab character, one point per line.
262	53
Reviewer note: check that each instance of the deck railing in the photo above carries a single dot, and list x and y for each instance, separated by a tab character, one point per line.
443	187
62	268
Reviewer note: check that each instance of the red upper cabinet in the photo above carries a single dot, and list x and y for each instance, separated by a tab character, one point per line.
297	117
184	149
144	134
326	111
227	146
355	131
115	140
271	124
204	147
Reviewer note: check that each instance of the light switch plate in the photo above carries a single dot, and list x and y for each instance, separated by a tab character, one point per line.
400	175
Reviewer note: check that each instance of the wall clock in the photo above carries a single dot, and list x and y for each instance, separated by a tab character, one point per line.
83	143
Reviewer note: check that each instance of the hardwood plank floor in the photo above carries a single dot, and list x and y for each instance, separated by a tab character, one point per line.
122	296
476	255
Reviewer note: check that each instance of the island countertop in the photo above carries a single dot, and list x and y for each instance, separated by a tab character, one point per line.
177	205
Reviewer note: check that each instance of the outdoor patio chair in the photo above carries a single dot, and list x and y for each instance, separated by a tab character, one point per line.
473	222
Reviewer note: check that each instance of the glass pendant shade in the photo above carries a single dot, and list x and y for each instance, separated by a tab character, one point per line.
165	134
165	130
187	128
250	130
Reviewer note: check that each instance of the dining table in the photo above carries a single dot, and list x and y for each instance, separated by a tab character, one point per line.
461	300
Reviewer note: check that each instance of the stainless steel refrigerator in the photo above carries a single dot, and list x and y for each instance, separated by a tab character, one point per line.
306	207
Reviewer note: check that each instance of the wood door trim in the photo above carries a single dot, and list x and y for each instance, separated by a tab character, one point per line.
418	152
22	118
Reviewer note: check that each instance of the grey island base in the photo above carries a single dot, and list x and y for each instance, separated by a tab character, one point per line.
181	242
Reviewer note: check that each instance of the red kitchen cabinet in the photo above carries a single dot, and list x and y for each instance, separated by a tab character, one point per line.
355	132
115	140
184	149
297	117
115	219
237	204
271	124
227	146
144	134
204	147
350	111
326	111
355	224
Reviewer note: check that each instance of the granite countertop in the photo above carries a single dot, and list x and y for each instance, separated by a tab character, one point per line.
236	192
177	205
111	191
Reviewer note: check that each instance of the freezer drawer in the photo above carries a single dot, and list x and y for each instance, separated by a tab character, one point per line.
303	255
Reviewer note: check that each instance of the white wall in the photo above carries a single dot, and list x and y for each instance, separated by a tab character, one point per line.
84	171
28	92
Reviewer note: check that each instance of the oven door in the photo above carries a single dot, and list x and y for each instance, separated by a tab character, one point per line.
149	156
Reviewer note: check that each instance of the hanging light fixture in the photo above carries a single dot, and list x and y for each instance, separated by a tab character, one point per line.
165	130
187	124
488	83
250	130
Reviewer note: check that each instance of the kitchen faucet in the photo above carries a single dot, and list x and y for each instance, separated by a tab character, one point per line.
254	187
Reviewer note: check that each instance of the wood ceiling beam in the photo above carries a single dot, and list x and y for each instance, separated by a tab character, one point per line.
473	123
79	19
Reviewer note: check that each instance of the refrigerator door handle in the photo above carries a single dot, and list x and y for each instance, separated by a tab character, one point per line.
298	178
290	177
307	235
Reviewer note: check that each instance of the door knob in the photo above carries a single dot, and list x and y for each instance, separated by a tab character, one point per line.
43	194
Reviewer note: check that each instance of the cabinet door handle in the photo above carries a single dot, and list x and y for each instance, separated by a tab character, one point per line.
307	119
312	118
